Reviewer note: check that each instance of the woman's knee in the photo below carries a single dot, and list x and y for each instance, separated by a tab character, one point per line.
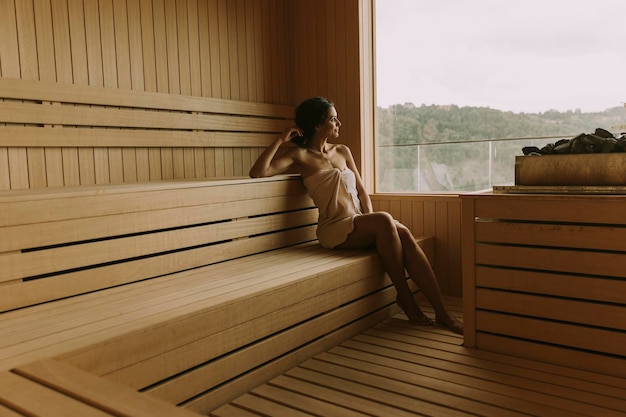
377	223
385	221
404	232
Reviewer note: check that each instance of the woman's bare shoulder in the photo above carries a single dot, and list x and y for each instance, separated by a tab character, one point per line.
344	151
340	148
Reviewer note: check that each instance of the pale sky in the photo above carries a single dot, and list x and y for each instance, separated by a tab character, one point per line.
512	55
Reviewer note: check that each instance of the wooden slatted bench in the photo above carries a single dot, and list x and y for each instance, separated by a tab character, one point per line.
187	293
131	284
544	278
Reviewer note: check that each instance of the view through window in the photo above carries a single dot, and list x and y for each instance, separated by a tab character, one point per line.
463	85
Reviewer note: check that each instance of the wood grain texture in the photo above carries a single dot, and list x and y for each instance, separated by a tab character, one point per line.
543	276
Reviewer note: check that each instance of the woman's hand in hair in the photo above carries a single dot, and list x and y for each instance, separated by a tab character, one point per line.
290	133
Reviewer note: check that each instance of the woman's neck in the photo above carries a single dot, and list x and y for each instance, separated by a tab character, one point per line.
319	145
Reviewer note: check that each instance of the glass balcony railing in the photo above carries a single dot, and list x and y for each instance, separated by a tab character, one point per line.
451	167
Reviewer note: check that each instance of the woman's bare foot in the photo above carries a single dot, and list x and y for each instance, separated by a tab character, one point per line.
415	315
451	323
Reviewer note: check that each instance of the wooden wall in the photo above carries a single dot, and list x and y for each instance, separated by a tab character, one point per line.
265	51
331	41
233	49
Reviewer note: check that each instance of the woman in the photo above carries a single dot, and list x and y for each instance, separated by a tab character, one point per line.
346	217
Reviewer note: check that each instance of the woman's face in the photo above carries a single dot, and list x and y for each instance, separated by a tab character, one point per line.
330	127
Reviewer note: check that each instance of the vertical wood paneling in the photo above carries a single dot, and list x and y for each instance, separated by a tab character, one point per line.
143	164
129	165
250	49
122	47
71	169
273	51
45	41
154	160
5	180
116	165
195	65
453	248
9	52
320	66
283	53
54	167
62	44
209	162
78	42
36	159
332	54
183	47
135	45
242	53
178	163
160	46
171	42
107	37
27	39
148	46
239	49
267	53
65	74
199	162
94	46
18	177
214	45
167	165
86	163
205	49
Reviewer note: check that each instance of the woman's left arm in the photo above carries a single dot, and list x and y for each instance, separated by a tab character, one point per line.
364	197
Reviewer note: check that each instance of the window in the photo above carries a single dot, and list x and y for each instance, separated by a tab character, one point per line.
463	85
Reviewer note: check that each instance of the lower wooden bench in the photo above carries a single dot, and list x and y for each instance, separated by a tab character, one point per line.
186	294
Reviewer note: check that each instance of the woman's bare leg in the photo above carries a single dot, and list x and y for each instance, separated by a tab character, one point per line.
380	229
420	271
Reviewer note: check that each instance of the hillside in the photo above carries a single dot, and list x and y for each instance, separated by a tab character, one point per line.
404	124
433	148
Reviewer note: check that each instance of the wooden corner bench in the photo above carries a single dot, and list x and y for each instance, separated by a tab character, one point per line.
169	298
130	284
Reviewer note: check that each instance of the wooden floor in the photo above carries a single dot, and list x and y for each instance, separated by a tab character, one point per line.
396	369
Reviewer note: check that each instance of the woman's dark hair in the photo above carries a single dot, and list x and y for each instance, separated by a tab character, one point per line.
310	114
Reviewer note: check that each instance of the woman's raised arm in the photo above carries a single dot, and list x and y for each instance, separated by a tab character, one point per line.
267	164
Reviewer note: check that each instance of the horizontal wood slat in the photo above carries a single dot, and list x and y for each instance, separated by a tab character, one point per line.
74	230
582	262
395	368
553	234
19	394
551	308
77	202
24	89
98	137
554	284
559	209
61	115
545	278
604	366
46	261
102	394
559	334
